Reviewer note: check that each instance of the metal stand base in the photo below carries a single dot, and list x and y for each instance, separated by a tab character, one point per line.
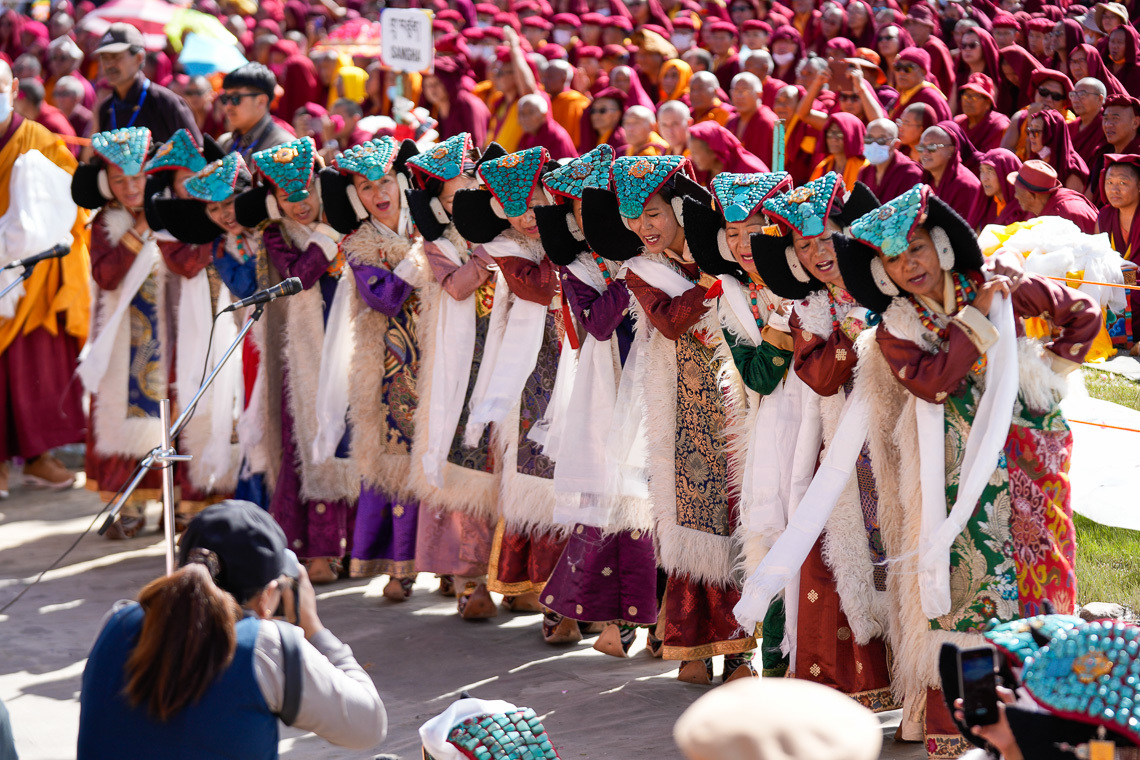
163	457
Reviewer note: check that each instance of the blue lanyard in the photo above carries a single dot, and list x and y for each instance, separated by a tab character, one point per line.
138	107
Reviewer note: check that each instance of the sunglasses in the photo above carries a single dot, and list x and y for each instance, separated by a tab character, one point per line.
932	148
601	111
849	96
878	140
906	68
1055	96
971	45
1081	94
1034	131
235	99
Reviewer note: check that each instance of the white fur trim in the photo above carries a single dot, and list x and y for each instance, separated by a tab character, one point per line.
795	265
271	207
814	312
354	201
381	462
402	182
304	331
469	491
438	211
722	246
678	205
883	281
497	208
526	501
104	185
572	226
550	199
942	245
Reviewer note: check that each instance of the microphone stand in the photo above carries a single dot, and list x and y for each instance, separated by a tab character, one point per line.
23	276
163	457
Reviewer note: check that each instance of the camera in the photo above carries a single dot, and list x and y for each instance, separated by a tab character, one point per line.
292	573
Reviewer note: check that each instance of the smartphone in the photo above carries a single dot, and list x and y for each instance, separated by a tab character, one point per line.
977	683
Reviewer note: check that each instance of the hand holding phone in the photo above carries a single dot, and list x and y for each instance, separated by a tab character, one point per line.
977	683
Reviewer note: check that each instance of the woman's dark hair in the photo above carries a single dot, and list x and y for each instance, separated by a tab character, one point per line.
188	639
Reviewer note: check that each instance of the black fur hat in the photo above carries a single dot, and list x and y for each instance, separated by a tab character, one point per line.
704	232
776	262
555	226
471	209
605	232
858	253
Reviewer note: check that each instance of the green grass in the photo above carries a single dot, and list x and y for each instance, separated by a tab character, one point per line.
1108	559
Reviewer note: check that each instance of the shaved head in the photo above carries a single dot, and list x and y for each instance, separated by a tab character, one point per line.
5	74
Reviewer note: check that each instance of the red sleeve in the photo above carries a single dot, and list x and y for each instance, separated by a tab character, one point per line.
824	365
672	316
458	281
1075	314
109	263
184	259
931	377
530	281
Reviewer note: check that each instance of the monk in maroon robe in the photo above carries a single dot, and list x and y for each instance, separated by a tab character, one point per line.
1120	183
912	70
943	152
753	123
1040	193
983	126
896	173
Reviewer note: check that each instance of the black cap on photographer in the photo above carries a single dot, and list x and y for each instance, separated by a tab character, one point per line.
239	542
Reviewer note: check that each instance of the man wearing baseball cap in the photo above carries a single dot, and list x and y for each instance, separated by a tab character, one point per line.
1037	189
231	554
135	100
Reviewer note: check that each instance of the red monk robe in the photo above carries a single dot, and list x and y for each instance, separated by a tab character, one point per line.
41	403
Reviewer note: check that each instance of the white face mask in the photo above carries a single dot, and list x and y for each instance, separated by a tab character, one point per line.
603	12
563	36
5	105
876	154
745	51
783	59
682	41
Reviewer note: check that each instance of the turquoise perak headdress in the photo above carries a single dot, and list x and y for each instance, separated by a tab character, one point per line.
288	167
512	178
590	170
179	152
126	148
740	195
216	182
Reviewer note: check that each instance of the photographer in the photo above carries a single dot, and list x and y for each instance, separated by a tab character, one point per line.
187	672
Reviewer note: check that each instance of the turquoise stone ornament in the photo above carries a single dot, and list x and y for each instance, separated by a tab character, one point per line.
514	736
1084	674
591	170
1016	638
512	178
126	148
806	208
740	195
888	228
444	161
371	160
215	183
288	167
179	152
637	178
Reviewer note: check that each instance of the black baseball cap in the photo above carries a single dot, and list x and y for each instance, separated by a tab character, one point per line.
240	543
120	37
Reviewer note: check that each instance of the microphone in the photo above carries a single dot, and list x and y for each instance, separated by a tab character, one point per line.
30	261
289	287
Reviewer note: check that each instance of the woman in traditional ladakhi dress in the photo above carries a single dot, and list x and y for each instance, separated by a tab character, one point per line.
755	352
685	415
456	484
314	501
515	383
608	572
363	195
839	596
201	214
126	369
193	299
944	383
206	216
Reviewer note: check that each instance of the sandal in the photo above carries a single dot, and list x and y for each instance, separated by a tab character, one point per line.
559	630
698	672
321	570
475	603
527	602
399	589
126	526
612	641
